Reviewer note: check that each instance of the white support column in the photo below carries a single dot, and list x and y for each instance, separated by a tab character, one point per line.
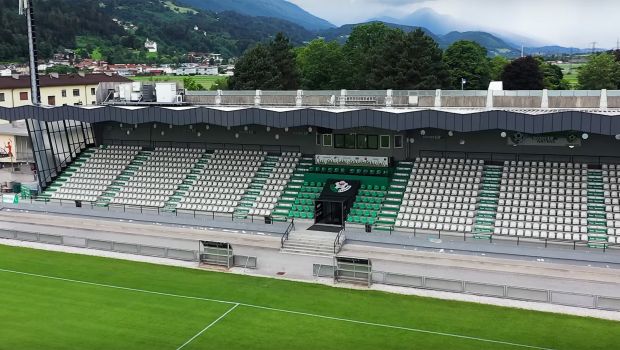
438	98
603	104
299	99
489	104
343	98
389	99
544	104
218	98
257	98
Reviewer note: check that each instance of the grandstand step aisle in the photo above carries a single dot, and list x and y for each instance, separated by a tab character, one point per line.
487	202
88	180
121	180
174	202
597	218
293	201
268	185
219	186
154	181
310	243
394	197
66	174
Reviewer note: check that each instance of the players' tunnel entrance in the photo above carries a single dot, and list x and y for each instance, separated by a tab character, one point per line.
335	201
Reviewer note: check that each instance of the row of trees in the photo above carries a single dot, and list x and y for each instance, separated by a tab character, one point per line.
379	57
601	72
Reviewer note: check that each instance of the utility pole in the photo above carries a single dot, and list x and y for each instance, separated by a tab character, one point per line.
25	8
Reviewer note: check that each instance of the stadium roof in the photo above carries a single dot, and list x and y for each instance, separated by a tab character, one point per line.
534	121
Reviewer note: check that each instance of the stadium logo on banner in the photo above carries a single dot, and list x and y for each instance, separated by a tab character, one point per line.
340	186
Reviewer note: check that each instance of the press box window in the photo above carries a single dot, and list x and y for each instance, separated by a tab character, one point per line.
362	141
385	141
349	141
339	141
398	141
373	142
327	140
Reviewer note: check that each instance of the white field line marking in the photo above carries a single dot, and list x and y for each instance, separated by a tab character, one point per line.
207	327
278	310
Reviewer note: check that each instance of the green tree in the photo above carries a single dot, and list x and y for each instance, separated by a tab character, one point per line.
380	57
254	70
497	65
523	74
468	60
97	55
270	66
284	60
364	50
553	77
190	84
422	66
322	66
601	72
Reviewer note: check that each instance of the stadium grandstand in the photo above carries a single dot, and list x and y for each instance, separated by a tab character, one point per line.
536	165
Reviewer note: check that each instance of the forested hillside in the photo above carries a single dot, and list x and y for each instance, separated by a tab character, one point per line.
90	24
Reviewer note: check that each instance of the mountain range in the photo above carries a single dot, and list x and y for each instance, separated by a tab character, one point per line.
229	27
263	8
443	28
494	45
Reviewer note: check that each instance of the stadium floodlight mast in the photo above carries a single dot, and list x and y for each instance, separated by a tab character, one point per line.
25	8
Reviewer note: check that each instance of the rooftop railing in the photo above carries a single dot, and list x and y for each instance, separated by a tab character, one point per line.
485	99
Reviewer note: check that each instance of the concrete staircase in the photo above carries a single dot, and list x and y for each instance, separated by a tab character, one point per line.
310	243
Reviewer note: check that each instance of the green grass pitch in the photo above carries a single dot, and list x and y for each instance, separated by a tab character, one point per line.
54	300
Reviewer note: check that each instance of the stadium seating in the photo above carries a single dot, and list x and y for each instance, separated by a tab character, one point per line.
297	200
154	181
545	200
441	195
270	186
610	175
90	178
539	200
221	184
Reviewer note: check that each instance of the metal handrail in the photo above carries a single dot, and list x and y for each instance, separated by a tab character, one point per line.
337	244
284	238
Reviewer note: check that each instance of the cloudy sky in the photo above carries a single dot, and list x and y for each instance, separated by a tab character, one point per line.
564	22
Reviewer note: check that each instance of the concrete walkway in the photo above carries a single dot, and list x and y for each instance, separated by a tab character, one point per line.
272	262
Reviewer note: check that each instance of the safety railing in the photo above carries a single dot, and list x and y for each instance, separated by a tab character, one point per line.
143	209
557	297
105	245
339	241
289	229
